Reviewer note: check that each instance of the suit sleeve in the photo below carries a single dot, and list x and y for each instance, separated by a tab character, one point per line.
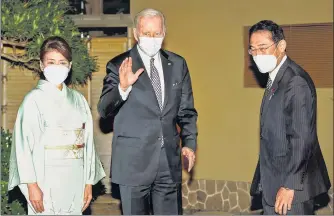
256	185
299	107
111	99
187	114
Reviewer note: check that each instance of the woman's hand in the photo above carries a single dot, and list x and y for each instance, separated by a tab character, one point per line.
87	196
36	197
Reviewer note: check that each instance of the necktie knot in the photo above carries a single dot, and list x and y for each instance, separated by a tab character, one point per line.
152	60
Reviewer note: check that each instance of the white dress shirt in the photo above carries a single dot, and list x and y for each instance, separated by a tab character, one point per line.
273	73
146	60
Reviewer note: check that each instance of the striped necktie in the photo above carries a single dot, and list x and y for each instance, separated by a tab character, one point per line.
155	80
269	83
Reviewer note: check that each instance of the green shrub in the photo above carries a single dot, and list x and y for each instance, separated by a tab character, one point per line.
9	206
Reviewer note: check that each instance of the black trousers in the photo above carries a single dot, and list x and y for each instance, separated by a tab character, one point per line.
304	208
162	197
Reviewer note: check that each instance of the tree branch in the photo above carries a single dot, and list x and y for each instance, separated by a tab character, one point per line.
16	58
14	43
33	67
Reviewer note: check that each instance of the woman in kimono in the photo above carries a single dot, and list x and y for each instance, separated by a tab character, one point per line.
53	158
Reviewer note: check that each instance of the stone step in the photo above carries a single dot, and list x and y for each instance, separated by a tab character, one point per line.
208	212
105	209
107	205
106	198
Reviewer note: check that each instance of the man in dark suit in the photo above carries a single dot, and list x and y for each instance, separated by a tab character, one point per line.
148	92
291	170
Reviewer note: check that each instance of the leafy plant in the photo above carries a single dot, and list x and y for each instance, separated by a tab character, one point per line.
8	205
27	23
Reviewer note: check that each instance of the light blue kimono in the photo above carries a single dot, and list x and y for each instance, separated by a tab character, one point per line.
53	146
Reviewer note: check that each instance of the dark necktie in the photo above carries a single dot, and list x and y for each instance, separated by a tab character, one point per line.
269	83
155	80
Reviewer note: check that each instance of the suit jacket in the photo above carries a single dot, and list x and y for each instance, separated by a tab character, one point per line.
290	155
139	123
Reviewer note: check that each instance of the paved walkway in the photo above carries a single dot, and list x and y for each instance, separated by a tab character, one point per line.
106	205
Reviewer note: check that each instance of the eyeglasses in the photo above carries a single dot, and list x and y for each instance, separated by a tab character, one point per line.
262	50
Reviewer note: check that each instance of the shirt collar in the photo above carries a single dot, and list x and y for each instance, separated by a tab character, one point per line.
275	71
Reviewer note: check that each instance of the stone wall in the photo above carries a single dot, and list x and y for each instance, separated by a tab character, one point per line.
225	196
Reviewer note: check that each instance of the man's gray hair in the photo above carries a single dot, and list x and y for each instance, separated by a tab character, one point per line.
149	12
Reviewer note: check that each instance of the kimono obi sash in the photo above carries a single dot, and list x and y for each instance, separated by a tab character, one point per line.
63	145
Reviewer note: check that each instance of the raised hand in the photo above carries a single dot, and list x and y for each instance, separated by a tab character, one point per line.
126	76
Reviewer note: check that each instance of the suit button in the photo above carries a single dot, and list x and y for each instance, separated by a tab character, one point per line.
261	137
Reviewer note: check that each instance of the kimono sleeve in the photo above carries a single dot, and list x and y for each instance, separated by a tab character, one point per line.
94	169
26	133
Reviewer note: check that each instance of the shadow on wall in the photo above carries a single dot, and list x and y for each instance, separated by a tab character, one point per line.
321	201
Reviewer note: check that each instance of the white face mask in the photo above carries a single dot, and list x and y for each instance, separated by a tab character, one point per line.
56	74
265	63
150	46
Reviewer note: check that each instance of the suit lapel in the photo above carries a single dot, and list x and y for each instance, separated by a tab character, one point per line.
144	79
274	87
263	100
167	66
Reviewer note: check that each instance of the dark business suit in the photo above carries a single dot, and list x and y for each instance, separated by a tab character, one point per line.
137	156
290	154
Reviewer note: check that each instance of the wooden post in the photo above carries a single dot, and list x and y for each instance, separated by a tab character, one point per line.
1	90
129	36
89	84
4	93
94	7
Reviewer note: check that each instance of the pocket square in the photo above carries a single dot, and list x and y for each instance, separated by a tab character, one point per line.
175	84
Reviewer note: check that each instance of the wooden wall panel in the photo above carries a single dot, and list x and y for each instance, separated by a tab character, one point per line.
104	49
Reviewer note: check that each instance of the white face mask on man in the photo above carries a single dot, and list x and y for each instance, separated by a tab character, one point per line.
150	45
265	63
56	74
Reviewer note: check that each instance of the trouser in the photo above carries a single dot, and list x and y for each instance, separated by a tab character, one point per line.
163	195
